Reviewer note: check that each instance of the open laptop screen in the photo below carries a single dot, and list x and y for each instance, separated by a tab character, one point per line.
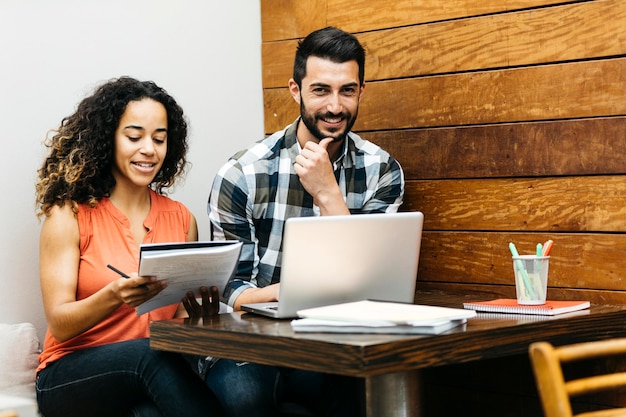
336	259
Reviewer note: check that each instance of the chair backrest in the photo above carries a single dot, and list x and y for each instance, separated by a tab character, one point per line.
556	392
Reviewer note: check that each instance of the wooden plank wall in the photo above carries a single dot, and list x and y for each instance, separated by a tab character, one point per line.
509	118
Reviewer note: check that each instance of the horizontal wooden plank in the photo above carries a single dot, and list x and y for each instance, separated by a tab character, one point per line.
279	109
565	204
578	260
488	292
559	91
555	148
573	32
581	89
291	19
378	15
277	59
579	31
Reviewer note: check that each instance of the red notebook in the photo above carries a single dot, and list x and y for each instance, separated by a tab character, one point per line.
510	305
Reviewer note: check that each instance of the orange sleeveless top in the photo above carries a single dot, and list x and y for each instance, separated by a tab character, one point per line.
106	238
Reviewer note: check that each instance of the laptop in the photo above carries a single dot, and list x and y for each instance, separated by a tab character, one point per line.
338	259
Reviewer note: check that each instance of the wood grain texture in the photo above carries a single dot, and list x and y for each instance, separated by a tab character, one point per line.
278	58
490	292
580	89
267	341
291	19
380	14
553	34
548	35
530	152
572	90
554	148
509	120
589	261
560	204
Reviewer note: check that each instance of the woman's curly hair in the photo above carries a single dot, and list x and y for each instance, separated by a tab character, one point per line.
78	168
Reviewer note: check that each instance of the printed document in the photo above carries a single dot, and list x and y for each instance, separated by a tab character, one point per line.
186	267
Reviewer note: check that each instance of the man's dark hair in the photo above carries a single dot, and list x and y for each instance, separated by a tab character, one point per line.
332	44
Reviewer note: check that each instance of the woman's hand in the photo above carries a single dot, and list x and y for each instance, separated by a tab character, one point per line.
136	290
210	303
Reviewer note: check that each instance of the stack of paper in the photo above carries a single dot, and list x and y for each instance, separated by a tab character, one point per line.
380	317
186	266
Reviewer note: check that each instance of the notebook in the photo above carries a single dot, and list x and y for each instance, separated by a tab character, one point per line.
338	259
380	317
510	305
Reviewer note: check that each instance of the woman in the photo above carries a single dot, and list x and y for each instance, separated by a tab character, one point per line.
100	190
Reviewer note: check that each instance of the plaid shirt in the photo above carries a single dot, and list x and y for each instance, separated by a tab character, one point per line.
257	190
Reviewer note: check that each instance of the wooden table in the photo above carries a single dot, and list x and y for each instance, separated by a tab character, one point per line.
390	364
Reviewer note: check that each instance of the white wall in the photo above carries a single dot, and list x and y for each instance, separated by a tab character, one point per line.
205	53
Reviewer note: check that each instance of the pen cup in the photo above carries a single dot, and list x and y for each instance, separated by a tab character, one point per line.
531	278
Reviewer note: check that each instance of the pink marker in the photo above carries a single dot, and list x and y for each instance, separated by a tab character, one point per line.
547	247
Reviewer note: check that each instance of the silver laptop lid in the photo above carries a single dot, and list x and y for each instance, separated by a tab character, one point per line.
337	259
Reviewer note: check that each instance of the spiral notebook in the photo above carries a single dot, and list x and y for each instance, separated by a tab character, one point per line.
510	305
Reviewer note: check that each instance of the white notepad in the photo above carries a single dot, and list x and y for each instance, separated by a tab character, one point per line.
369	311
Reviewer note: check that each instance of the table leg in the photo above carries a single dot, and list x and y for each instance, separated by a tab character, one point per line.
393	395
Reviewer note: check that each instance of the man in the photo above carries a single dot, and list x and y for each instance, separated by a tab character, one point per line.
315	166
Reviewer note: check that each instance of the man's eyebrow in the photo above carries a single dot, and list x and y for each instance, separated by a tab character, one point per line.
320	84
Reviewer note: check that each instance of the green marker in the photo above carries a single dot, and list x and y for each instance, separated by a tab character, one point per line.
522	270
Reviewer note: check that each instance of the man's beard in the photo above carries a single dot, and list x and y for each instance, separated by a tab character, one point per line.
310	121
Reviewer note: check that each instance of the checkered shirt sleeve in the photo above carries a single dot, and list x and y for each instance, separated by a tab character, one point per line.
257	190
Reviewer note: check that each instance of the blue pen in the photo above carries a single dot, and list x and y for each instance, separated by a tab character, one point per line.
522	270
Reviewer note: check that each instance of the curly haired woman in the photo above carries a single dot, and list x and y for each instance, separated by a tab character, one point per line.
101	193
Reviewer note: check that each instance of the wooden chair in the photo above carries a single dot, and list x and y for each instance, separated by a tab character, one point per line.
556	393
